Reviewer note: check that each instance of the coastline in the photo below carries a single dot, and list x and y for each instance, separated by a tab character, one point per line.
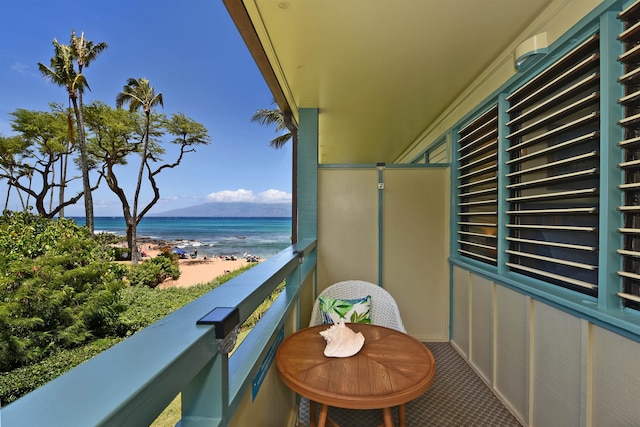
197	270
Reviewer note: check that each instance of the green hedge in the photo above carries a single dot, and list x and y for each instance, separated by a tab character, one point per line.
21	381
144	306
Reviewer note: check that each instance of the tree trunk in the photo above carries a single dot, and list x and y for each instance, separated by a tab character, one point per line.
136	196
53	180
84	165
63	184
6	202
132	237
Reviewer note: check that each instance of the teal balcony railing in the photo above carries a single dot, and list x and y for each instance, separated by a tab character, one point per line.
133	382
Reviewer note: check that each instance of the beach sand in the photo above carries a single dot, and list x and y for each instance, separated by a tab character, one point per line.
198	270
194	271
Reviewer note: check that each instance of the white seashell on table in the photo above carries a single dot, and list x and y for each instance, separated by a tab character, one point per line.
341	340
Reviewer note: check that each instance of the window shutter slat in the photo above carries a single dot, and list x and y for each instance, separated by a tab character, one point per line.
554	178
554	260
574	159
551	227
556	115
557	98
543	211
555	244
557	277
582	121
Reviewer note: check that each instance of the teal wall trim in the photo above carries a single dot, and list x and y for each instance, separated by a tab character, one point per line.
503	232
611	218
308	174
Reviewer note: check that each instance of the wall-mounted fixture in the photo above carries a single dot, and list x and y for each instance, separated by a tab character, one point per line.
530	48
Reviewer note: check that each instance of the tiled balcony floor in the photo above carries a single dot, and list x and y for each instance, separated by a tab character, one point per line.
457	398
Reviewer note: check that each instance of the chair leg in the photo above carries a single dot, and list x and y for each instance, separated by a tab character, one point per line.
324	410
402	416
312	413
388	417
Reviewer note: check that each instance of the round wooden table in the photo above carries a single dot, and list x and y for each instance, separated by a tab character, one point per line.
391	369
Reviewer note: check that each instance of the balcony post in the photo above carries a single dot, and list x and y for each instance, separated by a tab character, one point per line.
308	174
206	398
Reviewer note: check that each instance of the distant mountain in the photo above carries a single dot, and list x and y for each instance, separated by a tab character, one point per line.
231	209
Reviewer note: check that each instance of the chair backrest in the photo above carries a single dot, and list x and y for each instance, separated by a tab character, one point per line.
384	309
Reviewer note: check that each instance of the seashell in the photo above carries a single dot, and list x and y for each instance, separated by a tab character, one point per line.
341	341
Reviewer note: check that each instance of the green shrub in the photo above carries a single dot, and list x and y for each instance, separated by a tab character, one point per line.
23	380
58	288
138	307
145	306
120	254
108	238
154	271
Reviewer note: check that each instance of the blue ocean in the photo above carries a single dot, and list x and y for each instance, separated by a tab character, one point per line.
262	237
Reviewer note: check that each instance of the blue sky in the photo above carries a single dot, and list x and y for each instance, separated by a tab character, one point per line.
192	53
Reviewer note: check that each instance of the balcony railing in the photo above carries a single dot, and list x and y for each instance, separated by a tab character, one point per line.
134	381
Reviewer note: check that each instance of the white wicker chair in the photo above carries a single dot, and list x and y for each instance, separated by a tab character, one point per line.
384	309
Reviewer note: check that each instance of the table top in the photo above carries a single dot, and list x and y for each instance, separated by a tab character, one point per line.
392	368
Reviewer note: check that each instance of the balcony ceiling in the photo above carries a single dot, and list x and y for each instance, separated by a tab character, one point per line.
380	71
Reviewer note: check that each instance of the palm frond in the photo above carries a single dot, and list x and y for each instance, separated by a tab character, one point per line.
273	117
280	141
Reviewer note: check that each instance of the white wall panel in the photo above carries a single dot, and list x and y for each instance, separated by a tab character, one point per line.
512	336
415	248
461	310
347	225
557	367
482	326
616	379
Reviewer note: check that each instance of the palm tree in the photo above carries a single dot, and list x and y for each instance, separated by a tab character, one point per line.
84	52
274	117
283	122
139	94
62	72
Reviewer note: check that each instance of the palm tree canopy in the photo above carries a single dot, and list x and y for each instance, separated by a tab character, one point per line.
138	93
84	51
273	117
61	71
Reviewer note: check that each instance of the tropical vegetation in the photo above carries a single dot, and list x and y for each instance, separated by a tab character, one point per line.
63	299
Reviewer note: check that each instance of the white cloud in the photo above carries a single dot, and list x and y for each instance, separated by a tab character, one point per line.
20	68
242	195
239	195
274	196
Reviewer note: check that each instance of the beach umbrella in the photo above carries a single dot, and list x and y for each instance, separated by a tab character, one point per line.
179	251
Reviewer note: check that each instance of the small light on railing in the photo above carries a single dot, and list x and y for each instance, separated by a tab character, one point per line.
226	321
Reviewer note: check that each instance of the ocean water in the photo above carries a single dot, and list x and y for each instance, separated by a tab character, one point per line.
262	237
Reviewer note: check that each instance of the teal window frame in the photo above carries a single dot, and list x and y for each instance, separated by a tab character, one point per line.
606	308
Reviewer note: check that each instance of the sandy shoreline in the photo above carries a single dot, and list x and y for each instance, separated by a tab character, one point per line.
198	270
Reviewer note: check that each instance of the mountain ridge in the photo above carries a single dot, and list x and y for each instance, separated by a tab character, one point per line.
231	209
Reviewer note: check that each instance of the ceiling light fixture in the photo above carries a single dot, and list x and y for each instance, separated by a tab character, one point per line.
528	49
